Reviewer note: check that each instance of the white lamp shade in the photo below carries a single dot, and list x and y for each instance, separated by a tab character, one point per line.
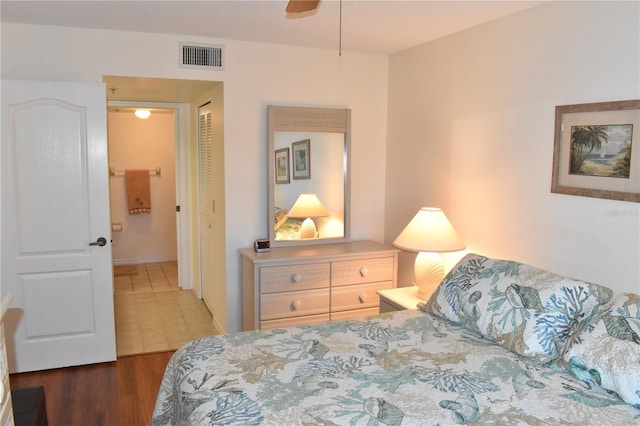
307	205
429	231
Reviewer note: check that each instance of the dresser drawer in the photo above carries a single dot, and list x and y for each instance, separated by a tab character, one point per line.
357	296
287	322
293	304
356	313
274	279
363	271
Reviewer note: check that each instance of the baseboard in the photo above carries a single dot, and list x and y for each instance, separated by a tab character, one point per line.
141	261
218	326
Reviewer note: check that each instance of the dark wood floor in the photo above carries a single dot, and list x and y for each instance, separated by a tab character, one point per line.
114	393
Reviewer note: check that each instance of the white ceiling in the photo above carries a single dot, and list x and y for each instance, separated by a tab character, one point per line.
378	26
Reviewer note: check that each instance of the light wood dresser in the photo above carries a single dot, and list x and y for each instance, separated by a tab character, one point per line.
308	284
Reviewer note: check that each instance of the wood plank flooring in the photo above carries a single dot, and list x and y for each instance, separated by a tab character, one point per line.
152	315
120	393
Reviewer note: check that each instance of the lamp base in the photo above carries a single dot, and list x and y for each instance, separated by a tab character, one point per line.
308	229
429	272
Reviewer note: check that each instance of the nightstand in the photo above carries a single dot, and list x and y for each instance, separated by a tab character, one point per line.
399	299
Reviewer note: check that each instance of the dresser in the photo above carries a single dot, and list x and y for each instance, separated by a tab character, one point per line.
308	284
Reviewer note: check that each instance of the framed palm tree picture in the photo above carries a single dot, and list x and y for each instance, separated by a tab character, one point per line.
597	150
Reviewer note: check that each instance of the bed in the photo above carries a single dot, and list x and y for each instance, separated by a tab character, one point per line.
499	342
286	228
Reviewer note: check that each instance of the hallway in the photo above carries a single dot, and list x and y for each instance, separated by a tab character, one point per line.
152	313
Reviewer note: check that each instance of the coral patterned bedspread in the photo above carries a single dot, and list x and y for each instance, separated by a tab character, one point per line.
401	368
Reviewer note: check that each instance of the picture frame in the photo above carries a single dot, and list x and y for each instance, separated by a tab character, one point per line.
597	150
282	165
301	152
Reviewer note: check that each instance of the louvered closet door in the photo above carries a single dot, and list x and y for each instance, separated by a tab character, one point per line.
206	202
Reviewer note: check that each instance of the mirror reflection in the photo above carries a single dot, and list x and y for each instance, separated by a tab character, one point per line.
309	186
308	175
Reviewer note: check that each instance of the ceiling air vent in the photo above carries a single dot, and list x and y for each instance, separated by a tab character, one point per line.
201	56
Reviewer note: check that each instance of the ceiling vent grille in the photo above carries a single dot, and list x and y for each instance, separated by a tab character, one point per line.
201	56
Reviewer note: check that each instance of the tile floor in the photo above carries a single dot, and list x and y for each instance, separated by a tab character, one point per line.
152	313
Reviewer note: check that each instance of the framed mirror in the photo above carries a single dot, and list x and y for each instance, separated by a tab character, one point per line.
308	175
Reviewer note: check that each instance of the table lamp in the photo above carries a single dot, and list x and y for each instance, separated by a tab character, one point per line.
429	233
307	206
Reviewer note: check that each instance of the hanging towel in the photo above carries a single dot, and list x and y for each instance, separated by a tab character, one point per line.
138	193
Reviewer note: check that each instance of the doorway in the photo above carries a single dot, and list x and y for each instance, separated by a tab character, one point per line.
147	235
183	97
152	312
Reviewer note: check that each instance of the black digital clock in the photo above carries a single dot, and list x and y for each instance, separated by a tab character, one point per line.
261	245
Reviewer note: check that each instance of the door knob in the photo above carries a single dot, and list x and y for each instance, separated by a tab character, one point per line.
102	241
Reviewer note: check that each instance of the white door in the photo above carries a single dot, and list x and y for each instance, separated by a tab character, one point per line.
56	243
205	201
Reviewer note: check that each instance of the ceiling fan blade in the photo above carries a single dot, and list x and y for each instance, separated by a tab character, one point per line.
300	6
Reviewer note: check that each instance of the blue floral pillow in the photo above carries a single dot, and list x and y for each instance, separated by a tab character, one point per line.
527	310
607	353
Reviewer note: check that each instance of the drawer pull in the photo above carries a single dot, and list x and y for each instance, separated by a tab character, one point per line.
295	305
295	278
362	297
363	272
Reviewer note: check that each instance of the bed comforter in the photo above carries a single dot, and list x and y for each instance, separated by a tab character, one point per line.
408	368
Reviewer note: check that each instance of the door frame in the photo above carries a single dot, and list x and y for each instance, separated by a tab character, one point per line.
184	222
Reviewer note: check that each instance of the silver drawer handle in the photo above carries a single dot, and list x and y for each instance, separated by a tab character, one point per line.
363	272
295	305
295	278
362	297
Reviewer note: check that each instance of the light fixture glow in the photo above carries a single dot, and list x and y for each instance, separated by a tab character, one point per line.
142	113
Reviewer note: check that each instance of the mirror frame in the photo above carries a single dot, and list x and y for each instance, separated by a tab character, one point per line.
304	119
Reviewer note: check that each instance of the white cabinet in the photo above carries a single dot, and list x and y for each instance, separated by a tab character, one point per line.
308	284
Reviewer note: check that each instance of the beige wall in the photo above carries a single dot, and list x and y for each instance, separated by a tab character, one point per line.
143	144
255	76
471	122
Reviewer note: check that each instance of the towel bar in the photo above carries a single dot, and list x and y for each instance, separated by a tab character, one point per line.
155	172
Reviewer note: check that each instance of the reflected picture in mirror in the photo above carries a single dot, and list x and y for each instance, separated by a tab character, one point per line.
301	159
282	165
311	208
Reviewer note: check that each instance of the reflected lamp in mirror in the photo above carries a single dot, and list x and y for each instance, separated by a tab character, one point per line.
307	207
429	233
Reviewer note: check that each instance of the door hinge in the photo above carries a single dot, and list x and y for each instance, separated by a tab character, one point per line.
177	209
